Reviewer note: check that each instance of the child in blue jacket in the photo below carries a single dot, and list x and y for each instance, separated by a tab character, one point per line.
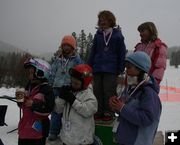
139	106
60	76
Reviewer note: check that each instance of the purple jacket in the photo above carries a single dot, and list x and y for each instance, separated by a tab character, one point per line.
111	60
139	118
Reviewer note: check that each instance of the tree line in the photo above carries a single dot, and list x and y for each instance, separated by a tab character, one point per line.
12	72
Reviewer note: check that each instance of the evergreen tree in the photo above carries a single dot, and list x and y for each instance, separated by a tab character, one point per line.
89	45
82	43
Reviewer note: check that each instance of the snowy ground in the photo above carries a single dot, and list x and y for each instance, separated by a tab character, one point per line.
170	118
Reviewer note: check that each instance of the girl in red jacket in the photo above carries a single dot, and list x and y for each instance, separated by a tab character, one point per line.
36	103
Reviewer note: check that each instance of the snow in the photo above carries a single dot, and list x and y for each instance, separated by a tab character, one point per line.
170	118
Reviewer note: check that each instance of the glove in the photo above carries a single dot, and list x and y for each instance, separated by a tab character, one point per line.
67	95
63	90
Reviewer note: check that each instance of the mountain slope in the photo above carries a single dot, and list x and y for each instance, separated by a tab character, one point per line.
5	47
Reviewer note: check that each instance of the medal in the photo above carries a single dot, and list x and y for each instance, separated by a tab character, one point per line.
107	42
106	48
64	63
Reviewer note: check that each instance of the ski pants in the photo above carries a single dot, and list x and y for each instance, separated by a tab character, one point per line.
104	87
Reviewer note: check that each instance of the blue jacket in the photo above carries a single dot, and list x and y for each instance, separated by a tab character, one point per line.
112	60
139	118
59	75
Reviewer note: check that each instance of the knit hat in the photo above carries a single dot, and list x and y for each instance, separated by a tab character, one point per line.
69	39
141	60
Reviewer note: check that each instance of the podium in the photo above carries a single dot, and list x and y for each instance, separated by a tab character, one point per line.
105	134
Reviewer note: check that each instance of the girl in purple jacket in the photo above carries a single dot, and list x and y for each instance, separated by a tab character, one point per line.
139	106
107	58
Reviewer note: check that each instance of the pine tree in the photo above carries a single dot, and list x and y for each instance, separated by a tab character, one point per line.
89	45
82	43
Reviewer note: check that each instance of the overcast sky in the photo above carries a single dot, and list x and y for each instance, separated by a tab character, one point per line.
39	25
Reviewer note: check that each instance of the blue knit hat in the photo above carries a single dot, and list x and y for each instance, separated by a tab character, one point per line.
141	60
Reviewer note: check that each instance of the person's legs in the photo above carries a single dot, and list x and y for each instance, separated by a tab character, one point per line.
109	89
55	122
98	92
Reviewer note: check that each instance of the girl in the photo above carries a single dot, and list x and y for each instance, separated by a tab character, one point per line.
38	103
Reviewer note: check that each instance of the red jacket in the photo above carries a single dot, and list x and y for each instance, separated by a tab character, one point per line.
157	50
33	115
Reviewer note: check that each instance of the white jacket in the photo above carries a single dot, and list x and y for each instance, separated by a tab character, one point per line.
78	120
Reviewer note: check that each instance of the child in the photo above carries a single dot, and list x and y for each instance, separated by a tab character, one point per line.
36	102
60	76
139	106
107	59
78	105
154	47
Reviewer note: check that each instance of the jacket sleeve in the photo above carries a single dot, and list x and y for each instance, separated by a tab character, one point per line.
121	50
146	113
46	104
53	72
59	105
77	60
92	52
160	65
87	107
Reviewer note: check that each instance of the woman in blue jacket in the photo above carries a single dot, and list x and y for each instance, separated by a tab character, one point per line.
139	106
107	58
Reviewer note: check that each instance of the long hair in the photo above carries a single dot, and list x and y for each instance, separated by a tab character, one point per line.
109	16
150	26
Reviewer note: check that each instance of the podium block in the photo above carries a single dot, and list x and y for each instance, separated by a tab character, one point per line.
105	134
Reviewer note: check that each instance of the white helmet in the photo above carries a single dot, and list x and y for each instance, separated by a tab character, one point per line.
43	68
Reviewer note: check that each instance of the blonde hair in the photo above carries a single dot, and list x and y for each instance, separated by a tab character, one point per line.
150	26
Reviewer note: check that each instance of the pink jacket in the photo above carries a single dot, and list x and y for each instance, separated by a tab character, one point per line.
157	50
26	129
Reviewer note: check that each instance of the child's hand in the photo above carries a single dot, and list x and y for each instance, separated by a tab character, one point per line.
28	102
116	104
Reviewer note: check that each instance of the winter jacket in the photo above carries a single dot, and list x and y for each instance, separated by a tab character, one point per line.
157	51
34	123
139	118
111	60
78	121
60	73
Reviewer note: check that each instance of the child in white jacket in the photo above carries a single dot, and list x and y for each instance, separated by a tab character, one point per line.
78	105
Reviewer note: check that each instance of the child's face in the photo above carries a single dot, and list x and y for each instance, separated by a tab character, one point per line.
76	84
67	49
30	73
145	35
103	23
131	70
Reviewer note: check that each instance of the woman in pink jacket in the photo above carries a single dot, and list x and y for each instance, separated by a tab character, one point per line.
154	47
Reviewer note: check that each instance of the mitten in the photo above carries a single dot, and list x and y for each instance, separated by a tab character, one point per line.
63	91
69	97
